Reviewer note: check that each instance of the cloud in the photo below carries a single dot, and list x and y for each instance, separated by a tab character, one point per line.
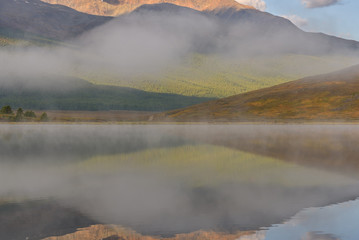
297	20
319	3
259	4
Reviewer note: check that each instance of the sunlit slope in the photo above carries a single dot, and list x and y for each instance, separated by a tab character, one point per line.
117	7
327	96
214	76
208	165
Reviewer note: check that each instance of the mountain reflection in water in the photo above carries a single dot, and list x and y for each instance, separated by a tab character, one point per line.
167	179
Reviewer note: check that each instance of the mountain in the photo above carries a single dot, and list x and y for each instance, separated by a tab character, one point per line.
117	7
262	32
239	27
230	52
239	51
329	96
249	31
50	21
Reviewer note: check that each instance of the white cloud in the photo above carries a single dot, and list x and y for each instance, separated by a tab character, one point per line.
299	21
318	3
258	4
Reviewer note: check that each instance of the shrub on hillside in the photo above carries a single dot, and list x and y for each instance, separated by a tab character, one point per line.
44	117
29	114
6	110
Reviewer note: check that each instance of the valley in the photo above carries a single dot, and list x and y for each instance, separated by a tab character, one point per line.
178	120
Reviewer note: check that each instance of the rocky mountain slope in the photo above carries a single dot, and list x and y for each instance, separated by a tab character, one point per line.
117	7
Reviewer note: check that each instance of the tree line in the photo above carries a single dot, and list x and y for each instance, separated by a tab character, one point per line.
20	115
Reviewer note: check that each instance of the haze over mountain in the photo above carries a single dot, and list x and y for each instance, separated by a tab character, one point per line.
322	97
117	7
228	25
249	31
157	47
212	54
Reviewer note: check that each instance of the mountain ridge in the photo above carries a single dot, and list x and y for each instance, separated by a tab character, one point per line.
118	7
46	20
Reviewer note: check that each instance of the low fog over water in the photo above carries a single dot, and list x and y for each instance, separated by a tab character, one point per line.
167	179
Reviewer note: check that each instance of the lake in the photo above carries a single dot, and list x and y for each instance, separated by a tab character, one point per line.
167	179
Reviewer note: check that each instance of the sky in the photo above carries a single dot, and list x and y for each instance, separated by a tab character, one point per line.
334	17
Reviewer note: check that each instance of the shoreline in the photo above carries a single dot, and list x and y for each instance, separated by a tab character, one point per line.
155	123
119	117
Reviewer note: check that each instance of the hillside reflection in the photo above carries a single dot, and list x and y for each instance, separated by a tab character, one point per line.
161	179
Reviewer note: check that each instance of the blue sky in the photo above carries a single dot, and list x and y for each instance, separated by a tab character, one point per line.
335	17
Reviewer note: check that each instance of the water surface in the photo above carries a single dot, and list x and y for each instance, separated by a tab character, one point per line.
168	179
334	222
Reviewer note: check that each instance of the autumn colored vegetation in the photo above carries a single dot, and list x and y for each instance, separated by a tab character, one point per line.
333	96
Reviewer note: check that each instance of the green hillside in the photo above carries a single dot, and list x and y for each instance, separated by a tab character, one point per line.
213	76
80	95
210	165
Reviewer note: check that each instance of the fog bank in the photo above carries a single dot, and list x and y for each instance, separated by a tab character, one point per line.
150	41
159	179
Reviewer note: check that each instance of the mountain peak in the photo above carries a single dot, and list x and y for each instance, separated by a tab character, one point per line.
118	7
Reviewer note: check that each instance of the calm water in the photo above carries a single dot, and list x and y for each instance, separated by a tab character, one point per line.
334	222
167	179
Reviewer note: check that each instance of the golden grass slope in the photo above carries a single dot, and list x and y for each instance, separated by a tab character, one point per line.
118	7
102	232
322	97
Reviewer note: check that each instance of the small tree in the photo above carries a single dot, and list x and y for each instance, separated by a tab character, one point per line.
19	114
6	110
44	117
29	114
